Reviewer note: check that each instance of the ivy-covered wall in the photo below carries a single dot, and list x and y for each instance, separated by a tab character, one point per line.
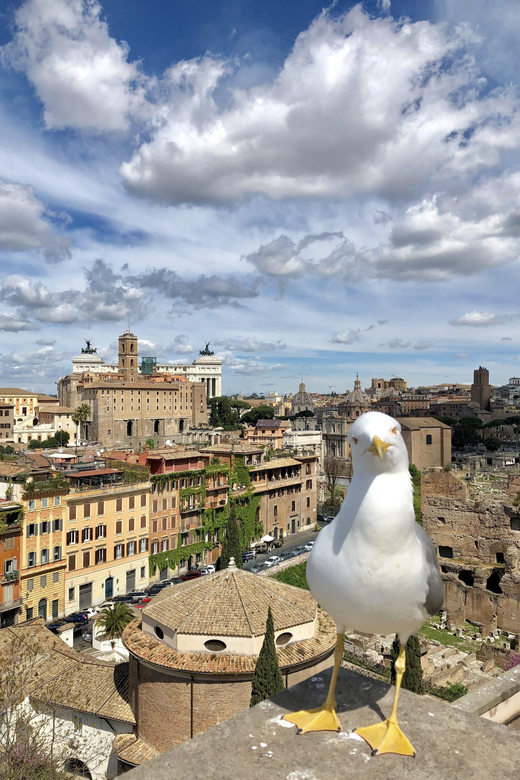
10	518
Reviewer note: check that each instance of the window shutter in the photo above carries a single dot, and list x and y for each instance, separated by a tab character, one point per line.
15	564
83	534
68	538
105	532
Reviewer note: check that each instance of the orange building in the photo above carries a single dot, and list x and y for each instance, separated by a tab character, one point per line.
11	523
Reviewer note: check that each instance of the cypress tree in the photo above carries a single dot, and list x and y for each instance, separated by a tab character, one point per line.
413	675
231	545
267	677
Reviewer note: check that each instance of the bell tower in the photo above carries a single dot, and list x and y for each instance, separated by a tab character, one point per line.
127	356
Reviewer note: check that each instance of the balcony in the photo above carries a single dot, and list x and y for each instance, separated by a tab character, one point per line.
9	577
12	604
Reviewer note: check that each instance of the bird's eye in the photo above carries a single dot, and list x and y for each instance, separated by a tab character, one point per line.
354	440
394	430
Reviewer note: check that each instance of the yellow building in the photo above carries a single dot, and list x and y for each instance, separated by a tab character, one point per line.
42	569
106	541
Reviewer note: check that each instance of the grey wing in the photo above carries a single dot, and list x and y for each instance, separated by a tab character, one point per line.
434	589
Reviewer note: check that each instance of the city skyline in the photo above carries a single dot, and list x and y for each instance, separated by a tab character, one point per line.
316	193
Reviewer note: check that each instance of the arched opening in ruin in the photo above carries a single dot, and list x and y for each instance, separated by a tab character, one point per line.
467	577
181	426
444	569
156	426
500	557
129	428
445	551
77	768
493	582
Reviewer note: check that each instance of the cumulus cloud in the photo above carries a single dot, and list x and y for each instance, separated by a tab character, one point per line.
420	112
181	345
348	337
81	75
25	224
247	367
41	363
250	345
11	323
477	319
200	292
45	342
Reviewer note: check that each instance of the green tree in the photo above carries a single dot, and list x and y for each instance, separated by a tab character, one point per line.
267	678
80	416
222	414
113	620
231	547
258	413
413	675
492	444
150	443
61	438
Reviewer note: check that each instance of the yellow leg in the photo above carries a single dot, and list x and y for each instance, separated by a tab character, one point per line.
322	718
387	737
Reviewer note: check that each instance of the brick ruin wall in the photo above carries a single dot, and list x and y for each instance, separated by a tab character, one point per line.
478	543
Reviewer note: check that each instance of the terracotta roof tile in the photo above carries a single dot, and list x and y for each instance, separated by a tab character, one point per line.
134	750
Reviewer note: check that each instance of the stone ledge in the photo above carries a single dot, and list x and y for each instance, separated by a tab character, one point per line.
491	694
254	745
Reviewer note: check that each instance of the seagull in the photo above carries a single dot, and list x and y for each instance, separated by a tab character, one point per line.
374	569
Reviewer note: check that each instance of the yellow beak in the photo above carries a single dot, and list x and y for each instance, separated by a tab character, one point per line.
378	447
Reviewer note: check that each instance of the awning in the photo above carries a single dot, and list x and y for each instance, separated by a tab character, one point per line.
267	538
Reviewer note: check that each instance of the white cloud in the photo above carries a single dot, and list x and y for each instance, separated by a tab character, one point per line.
415	95
423	344
25	223
11	323
181	345
348	337
250	345
246	366
81	74
396	344
477	319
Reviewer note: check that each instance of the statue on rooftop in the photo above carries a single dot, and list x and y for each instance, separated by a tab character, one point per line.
206	352
88	350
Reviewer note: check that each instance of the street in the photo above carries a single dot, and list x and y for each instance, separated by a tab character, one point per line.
295	540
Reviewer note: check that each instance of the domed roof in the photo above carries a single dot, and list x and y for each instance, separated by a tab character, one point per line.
231	602
357	396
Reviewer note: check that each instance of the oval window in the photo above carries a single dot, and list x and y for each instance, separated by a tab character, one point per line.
283	639
159	633
215	645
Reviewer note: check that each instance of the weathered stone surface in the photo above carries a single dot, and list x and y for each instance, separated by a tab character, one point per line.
253	746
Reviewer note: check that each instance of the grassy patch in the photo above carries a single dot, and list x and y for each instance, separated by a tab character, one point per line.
294	575
447	639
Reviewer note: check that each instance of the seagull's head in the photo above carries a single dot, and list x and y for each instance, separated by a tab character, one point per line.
377	445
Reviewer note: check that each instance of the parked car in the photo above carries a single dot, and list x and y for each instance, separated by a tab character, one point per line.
207	570
172	581
262	548
153	590
55	625
272	561
248	555
298	551
92	612
309	546
77	617
144	601
284	556
126	598
191	575
137	595
257	567
210	567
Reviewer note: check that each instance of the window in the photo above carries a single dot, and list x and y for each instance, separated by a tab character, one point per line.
101	531
57	554
308	484
55	608
293	506
143	545
86	535
143	521
31	559
119	527
165	524
165	504
45	527
86	510
143	570
143	499
72	512
308	468
119	504
131	502
101	555
118	551
72	563
164	545
154	506
56	524
72	537
56	577
71	594
86	559
101	508
445	552
32	529
130	548
428	438
308	501
275	510
30	585
155	526
29	612
56	500
131	524
32	503
155	548
43	581
45	503
44	556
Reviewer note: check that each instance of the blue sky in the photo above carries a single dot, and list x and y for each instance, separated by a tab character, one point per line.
316	192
